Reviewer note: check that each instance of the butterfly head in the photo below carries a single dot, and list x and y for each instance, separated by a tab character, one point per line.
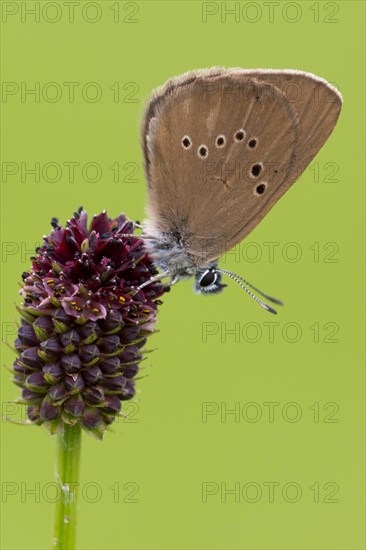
175	263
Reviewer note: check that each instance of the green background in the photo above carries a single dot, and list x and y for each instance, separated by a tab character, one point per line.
165	448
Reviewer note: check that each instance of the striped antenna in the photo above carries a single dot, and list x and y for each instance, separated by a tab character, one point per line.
240	282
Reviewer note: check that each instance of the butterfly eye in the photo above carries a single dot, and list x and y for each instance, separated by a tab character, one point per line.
186	142
208	278
202	151
252	143
260	189
220	141
240	135
256	170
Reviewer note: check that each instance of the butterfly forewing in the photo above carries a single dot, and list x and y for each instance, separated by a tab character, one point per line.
222	146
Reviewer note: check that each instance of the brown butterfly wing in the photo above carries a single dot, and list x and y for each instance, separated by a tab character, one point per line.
212	194
317	104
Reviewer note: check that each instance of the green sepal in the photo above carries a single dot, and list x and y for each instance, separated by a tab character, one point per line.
129	363
27	316
43	355
37	389
60	327
83	291
113	331
41	333
96	433
81	320
57	268
29	401
27	366
53	426
90	339
35	312
112	392
70	348
92	362
119	350
61	401
133	342
84	245
50	379
54	301
69	419
18	383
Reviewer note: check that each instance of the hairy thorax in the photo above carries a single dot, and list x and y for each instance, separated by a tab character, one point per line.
167	253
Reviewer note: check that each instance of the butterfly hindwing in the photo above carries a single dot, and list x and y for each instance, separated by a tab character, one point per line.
222	146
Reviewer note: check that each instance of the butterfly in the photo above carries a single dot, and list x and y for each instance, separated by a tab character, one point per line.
220	147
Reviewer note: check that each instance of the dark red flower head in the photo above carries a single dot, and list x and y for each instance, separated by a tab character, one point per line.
84	323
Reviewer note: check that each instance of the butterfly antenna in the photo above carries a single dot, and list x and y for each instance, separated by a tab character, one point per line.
270	298
237	278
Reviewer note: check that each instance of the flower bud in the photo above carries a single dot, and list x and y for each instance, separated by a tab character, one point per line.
27	335
53	372
130	371
91	418
70	341
71	363
89	354
50	349
109	344
74	406
94	395
49	411
74	382
89	332
30	357
112	404
36	382
92	375
128	334
129	354
112	323
129	390
110	365
43	327
58	392
114	384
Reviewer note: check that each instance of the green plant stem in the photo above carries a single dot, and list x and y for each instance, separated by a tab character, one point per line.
67	475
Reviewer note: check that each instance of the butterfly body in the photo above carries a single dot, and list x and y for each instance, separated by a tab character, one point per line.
168	253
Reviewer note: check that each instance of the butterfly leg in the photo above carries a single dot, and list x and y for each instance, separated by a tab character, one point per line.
142	237
154	279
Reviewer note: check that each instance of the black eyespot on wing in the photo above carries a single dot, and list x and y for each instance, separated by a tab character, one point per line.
186	142
260	189
220	141
202	151
256	170
240	135
252	143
